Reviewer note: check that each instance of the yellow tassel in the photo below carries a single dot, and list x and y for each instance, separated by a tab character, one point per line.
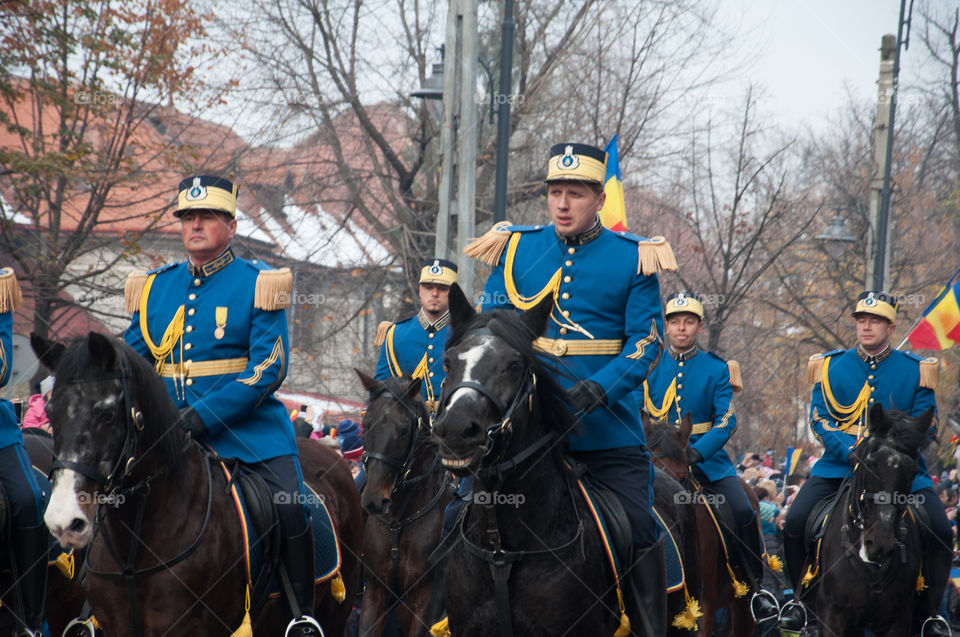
774	563
489	247
133	290
624	628
65	564
441	628
382	333
274	288
739	588
687	620
656	256
246	629
921	583
95	623
929	373
11	298
736	380
809	576
337	589
814	368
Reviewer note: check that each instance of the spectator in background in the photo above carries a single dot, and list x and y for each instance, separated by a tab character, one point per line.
36	415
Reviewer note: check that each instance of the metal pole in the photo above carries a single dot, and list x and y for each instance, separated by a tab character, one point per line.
503	113
448	133
881	143
467	178
882	263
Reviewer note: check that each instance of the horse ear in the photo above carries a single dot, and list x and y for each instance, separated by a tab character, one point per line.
102	350
369	383
879	423
49	352
460	309
536	317
924	420
686	427
413	389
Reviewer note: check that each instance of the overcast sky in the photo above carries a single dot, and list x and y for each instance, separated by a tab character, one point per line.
808	52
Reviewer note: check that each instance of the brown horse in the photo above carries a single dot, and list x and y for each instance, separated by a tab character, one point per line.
165	553
669	447
405	497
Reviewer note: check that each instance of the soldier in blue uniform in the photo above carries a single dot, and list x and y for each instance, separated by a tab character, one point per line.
606	329
215	327
846	384
691	381
30	539
413	347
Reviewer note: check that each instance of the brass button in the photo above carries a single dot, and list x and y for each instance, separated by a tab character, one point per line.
568	263
196	281
871	400
566	312
873	367
188	329
680	364
430	335
191	312
188	346
565	296
192	297
679	398
559	347
430	346
567	279
680	386
571	250
189	381
429	360
563	330
870	377
873	389
431	374
680	375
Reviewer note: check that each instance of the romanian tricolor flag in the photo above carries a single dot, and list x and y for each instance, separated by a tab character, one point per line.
939	325
793	459
614	212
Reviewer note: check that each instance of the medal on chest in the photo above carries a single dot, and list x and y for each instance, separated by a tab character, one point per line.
221	316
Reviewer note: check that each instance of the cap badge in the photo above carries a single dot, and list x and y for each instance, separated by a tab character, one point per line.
680	301
196	192
568	161
436	269
870	301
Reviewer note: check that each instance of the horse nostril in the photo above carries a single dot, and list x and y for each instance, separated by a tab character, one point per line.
77	526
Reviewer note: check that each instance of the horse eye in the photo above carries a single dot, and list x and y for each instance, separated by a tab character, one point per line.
104	414
514	366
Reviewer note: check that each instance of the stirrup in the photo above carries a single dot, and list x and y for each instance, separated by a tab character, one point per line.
789	605
773	600
933	620
84	627
307	624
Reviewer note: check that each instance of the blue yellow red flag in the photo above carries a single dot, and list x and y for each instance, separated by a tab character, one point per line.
939	325
613	215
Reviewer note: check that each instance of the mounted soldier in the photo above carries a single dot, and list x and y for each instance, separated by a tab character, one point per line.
413	347
846	383
215	327
689	380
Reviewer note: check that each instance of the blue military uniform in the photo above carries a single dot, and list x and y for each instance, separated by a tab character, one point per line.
846	383
413	348
217	334
24	498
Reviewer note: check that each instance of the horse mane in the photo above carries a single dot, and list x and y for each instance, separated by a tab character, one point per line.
903	435
149	391
665	442
551	396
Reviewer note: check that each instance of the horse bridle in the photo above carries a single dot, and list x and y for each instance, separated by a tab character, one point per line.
405	466
133	424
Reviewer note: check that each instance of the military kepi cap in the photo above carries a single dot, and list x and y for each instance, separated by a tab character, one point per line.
207	192
684	302
577	162
438	271
878	303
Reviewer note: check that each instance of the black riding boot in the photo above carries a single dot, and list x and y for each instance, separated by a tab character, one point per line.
297	556
31	547
763	604
645	592
936	572
793	615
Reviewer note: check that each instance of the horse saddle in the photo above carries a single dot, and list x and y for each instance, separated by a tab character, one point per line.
257	514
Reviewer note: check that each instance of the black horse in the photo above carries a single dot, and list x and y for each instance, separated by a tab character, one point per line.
165	553
404	497
530	560
871	553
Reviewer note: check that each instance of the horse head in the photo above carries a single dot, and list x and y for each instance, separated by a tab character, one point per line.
495	380
886	464
394	424
104	395
669	445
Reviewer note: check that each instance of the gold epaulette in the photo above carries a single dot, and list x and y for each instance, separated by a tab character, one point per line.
274	288
814	368
133	290
656	256
929	373
489	247
736	380
11	298
382	333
